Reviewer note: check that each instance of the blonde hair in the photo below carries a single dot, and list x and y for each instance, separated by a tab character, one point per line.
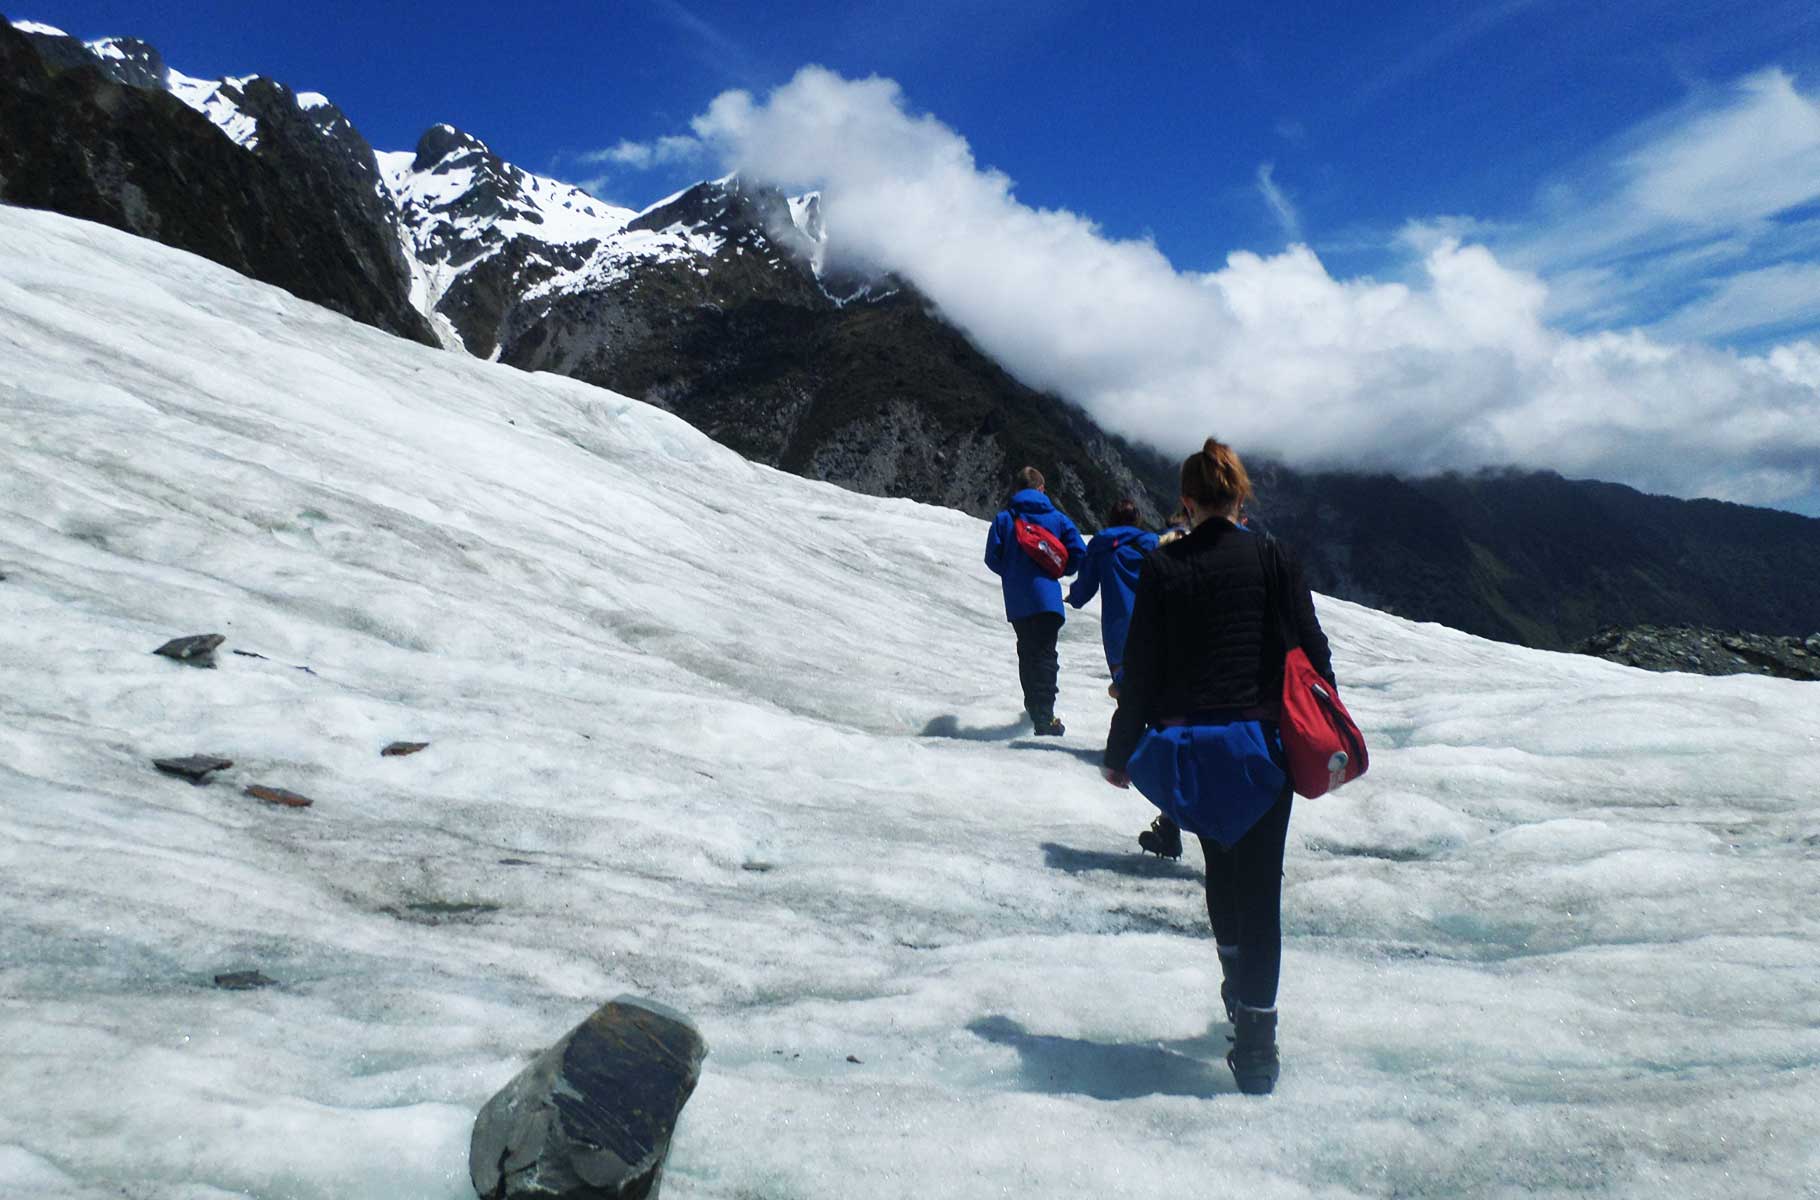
1214	478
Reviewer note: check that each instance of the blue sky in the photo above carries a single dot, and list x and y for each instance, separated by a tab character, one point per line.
1153	119
1651	161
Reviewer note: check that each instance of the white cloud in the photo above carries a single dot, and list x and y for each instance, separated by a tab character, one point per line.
1458	368
1280	205
642	156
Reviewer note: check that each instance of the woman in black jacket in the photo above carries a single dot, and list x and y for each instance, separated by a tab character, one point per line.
1206	650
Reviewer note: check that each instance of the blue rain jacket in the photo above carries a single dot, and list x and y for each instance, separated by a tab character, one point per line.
1114	558
1027	590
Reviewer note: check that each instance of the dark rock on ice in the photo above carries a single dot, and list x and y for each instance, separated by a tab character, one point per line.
194	767
438	912
274	795
1706	651
591	1117
244	981
198	650
400	749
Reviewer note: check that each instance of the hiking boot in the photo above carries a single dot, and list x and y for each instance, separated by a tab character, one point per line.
1049	727
1253	1057
1162	839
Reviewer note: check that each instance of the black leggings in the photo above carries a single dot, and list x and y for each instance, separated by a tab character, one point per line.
1245	903
1037	663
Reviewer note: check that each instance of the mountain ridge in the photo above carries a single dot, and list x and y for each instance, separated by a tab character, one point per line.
716	303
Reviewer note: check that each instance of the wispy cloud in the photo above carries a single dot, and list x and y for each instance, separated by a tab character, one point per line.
1414	59
1459	367
1769	298
713	45
1723	186
642	156
1278	200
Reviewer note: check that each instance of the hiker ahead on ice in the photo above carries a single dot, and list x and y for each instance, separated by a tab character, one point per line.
1031	546
1197	728
1114	558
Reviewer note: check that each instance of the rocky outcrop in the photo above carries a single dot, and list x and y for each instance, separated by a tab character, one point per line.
1708	651
488	234
89	137
591	1117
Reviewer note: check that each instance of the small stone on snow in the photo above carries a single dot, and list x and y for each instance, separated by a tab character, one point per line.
273	795
198	650
243	981
194	767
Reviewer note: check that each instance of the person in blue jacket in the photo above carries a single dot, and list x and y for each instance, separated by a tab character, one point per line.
1114	558
1033	600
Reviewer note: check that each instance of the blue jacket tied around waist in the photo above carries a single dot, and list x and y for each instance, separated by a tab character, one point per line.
1027	590
1114	558
1213	780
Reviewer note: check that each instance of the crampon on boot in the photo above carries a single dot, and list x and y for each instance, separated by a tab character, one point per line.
1162	839
1049	726
1253	1057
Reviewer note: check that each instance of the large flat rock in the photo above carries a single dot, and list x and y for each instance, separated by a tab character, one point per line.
591	1117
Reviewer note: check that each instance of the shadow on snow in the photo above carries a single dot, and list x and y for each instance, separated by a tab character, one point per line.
1109	1070
1076	861
949	726
1087	755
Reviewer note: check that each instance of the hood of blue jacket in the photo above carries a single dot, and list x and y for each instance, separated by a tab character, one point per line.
1126	534
1029	503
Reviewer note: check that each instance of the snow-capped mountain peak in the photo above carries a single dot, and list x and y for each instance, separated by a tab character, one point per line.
132	62
221	101
459	200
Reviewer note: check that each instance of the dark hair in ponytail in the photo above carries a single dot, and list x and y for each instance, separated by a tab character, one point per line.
1215	478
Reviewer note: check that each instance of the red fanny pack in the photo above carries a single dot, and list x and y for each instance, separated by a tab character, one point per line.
1320	739
1044	548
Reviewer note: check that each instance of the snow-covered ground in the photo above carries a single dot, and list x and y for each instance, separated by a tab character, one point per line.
744	743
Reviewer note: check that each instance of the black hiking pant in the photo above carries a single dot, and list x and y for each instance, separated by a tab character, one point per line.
1245	904
1037	663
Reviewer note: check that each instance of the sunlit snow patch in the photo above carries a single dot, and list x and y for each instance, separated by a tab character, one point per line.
746	744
